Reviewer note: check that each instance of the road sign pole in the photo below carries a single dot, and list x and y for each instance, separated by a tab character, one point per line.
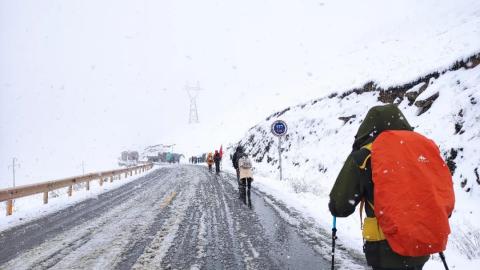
279	129
280	156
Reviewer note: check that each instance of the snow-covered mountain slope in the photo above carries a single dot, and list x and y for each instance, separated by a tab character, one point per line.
443	105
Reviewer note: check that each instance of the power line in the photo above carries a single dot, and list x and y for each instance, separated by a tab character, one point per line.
14	166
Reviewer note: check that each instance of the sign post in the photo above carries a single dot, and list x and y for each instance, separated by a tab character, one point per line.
279	129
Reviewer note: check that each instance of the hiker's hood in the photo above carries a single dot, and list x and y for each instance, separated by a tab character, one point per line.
378	119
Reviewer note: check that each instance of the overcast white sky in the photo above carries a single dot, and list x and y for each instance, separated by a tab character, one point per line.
83	80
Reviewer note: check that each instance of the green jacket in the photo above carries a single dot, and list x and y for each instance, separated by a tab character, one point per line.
353	183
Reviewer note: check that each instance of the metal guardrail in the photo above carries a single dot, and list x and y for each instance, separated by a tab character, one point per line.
9	194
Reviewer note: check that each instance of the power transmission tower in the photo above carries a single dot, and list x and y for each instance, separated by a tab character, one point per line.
193	94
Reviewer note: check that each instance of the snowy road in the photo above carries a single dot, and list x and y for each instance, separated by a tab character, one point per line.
180	217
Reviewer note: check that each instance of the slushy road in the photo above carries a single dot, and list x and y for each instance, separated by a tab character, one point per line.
178	217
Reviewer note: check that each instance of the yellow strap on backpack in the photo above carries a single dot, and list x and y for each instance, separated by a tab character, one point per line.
364	163
371	231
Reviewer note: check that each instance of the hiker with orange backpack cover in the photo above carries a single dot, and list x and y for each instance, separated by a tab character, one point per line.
210	161
400	179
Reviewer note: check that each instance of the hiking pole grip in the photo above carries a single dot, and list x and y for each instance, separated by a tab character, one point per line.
442	256
334	236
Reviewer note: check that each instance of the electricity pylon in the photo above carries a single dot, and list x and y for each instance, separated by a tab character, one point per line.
193	94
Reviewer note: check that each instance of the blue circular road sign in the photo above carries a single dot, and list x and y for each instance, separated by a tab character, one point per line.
279	128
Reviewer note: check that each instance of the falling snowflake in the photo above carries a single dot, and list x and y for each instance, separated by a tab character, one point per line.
422	159
385	171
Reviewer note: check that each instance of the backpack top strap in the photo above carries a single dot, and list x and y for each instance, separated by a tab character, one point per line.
362	155
368	146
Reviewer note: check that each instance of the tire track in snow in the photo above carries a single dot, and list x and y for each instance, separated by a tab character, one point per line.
224	235
162	242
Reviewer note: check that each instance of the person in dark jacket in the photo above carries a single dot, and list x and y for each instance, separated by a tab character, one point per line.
354	184
217	158
236	156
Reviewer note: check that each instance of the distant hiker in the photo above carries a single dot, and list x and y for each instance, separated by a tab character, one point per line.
217	158
210	161
402	181
238	153
246	177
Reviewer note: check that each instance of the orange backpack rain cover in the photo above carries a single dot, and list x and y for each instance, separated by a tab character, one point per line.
413	192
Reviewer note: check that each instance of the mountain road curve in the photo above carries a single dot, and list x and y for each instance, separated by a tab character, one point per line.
176	217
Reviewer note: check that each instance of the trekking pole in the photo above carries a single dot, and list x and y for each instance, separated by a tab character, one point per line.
442	256
334	236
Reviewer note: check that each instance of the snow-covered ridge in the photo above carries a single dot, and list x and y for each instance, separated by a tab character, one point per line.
388	95
442	105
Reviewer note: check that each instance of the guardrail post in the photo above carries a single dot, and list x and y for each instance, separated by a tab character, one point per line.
70	191
131	173
101	181
88	185
111	179
9	207
126	174
45	197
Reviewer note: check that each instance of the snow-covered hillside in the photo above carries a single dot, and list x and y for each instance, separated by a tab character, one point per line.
443	105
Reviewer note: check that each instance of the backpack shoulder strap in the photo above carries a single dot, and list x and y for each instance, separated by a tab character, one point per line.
362	206
362	156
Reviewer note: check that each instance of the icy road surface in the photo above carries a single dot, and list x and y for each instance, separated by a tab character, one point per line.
180	217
